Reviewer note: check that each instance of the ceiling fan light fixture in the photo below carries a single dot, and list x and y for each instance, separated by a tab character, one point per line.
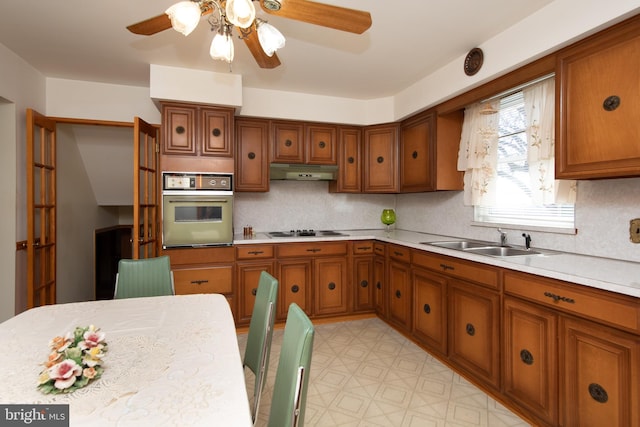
240	13
272	4
270	38
222	45
184	16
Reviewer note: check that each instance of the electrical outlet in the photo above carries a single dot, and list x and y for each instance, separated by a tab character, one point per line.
634	230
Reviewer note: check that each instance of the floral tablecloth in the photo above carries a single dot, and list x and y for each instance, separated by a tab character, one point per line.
172	360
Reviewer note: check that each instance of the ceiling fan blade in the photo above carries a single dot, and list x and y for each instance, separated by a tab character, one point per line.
263	60
336	17
151	26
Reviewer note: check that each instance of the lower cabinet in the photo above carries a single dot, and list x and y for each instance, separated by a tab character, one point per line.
380	292
474	330
399	279
430	309
330	286
363	276
294	286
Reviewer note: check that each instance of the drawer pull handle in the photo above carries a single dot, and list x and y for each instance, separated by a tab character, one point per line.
526	357
364	248
446	267
471	330
256	252
396	253
331	286
314	250
199	282
598	393
611	103
254	291
559	298
364	283
379	285
295	289
398	294
427	308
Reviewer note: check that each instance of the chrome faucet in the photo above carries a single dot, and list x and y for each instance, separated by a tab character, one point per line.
503	237
527	240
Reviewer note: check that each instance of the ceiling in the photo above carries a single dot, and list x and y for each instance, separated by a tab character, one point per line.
409	39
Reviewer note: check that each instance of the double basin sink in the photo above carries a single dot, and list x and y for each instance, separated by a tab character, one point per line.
482	248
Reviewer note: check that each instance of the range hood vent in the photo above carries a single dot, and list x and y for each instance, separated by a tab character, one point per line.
297	172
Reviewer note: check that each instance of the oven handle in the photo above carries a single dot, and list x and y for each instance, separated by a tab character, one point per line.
198	201
198	193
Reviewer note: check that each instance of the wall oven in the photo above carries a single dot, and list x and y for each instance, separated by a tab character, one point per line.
197	209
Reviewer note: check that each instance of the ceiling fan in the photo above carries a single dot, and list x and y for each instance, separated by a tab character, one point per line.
223	19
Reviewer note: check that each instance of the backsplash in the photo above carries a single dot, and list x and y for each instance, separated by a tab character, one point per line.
603	211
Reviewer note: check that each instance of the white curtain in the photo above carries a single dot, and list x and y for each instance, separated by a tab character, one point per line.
539	106
478	154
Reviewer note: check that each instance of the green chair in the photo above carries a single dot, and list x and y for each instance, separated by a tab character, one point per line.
292	377
258	350
146	277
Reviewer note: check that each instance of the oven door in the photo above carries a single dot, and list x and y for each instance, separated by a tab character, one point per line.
197	218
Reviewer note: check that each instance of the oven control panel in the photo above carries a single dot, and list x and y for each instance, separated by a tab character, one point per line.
196	181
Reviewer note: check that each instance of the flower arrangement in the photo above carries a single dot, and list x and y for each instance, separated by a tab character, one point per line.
74	361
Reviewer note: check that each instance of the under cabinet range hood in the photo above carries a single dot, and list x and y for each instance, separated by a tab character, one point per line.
298	172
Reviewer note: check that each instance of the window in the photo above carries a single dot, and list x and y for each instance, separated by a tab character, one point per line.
514	204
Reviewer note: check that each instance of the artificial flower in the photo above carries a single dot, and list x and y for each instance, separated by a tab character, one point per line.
64	373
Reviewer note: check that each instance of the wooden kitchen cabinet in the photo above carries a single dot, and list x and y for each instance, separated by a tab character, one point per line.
251	261
417	150
294	286
301	142
363	276
380	160
330	286
430	309
400	297
474	330
380	291
252	155
349	161
598	105
530	363
321	144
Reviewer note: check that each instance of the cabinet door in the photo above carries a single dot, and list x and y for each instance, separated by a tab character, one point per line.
179	129
380	159
294	286
380	289
247	278
321	146
349	161
363	283
330	280
287	142
416	154
400	295
598	105
252	164
530	358
600	375
430	309
216	129
474	330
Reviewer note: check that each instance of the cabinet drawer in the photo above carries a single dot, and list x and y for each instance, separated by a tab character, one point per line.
595	304
254	251
190	256
379	249
473	272
362	248
203	280
400	253
311	249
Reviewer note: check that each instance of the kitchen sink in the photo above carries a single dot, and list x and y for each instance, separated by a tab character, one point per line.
482	248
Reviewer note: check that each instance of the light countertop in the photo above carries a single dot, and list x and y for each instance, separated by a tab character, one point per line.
622	277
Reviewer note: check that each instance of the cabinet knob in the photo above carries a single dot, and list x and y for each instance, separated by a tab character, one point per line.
398	294
180	130
322	144
380	159
254	292
526	357
351	160
379	285
364	283
288	143
251	155
295	289
427	308
611	103
471	330
216	132
331	286
414	154
598	393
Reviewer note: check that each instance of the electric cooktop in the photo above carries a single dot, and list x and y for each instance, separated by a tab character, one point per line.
306	233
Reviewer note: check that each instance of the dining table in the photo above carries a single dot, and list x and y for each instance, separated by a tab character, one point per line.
171	360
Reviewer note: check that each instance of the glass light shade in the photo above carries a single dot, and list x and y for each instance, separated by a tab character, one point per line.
184	16
222	47
270	38
240	13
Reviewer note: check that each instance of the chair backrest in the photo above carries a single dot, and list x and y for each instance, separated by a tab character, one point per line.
258	349
292	377
146	277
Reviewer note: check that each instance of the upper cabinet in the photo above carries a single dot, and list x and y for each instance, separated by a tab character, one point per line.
417	149
252	154
598	105
300	142
380	160
193	135
349	161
